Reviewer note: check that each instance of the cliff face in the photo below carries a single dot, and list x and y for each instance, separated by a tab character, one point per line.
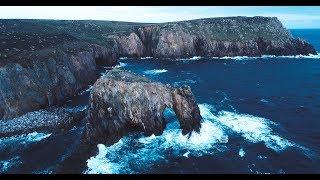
47	77
232	36
121	102
42	62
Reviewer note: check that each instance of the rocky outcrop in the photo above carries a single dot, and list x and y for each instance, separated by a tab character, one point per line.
129	45
49	76
229	36
53	119
43	66
121	102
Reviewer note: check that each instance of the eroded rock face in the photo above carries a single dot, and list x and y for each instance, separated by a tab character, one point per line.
129	45
230	36
121	102
49	77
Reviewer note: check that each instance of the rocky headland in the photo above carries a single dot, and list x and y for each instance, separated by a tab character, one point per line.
45	62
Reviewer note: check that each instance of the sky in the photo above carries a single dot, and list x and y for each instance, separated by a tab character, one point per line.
292	17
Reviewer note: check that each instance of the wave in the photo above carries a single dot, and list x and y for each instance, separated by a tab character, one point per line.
242	153
254	129
133	155
148	57
310	56
121	65
155	71
6	165
130	155
192	58
24	138
123	58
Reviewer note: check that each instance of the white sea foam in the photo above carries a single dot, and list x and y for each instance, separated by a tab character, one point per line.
121	65
5	165
310	56
146	57
132	155
123	58
188	59
155	71
129	153
254	129
24	138
195	58
242	152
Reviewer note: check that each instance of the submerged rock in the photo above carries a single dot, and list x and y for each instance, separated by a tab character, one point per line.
53	119
121	102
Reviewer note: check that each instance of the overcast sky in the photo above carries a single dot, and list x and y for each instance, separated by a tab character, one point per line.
291	16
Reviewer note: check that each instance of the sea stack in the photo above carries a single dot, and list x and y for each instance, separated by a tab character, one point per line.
122	102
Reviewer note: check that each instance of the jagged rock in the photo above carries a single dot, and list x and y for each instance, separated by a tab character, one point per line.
228	36
49	78
121	102
130	45
53	119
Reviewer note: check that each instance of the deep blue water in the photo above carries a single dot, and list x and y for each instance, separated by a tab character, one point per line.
260	115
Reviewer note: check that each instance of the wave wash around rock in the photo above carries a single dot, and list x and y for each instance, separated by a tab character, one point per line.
122	102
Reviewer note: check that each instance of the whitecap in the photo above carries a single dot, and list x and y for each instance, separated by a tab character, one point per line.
242	152
189	59
121	65
254	129
123	58
131	155
148	57
186	154
264	101
155	71
195	58
310	56
24	138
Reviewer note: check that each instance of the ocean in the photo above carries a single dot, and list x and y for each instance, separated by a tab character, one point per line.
260	116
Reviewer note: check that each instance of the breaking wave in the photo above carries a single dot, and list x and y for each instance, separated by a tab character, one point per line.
24	138
133	155
155	71
310	56
146	57
252	128
130	155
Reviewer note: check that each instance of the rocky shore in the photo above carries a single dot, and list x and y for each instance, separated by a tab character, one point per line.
45	62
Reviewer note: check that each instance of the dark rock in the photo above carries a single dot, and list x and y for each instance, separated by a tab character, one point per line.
121	102
53	119
49	78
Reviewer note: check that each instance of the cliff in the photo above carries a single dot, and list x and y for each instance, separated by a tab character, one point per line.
229	36
43	62
48	76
